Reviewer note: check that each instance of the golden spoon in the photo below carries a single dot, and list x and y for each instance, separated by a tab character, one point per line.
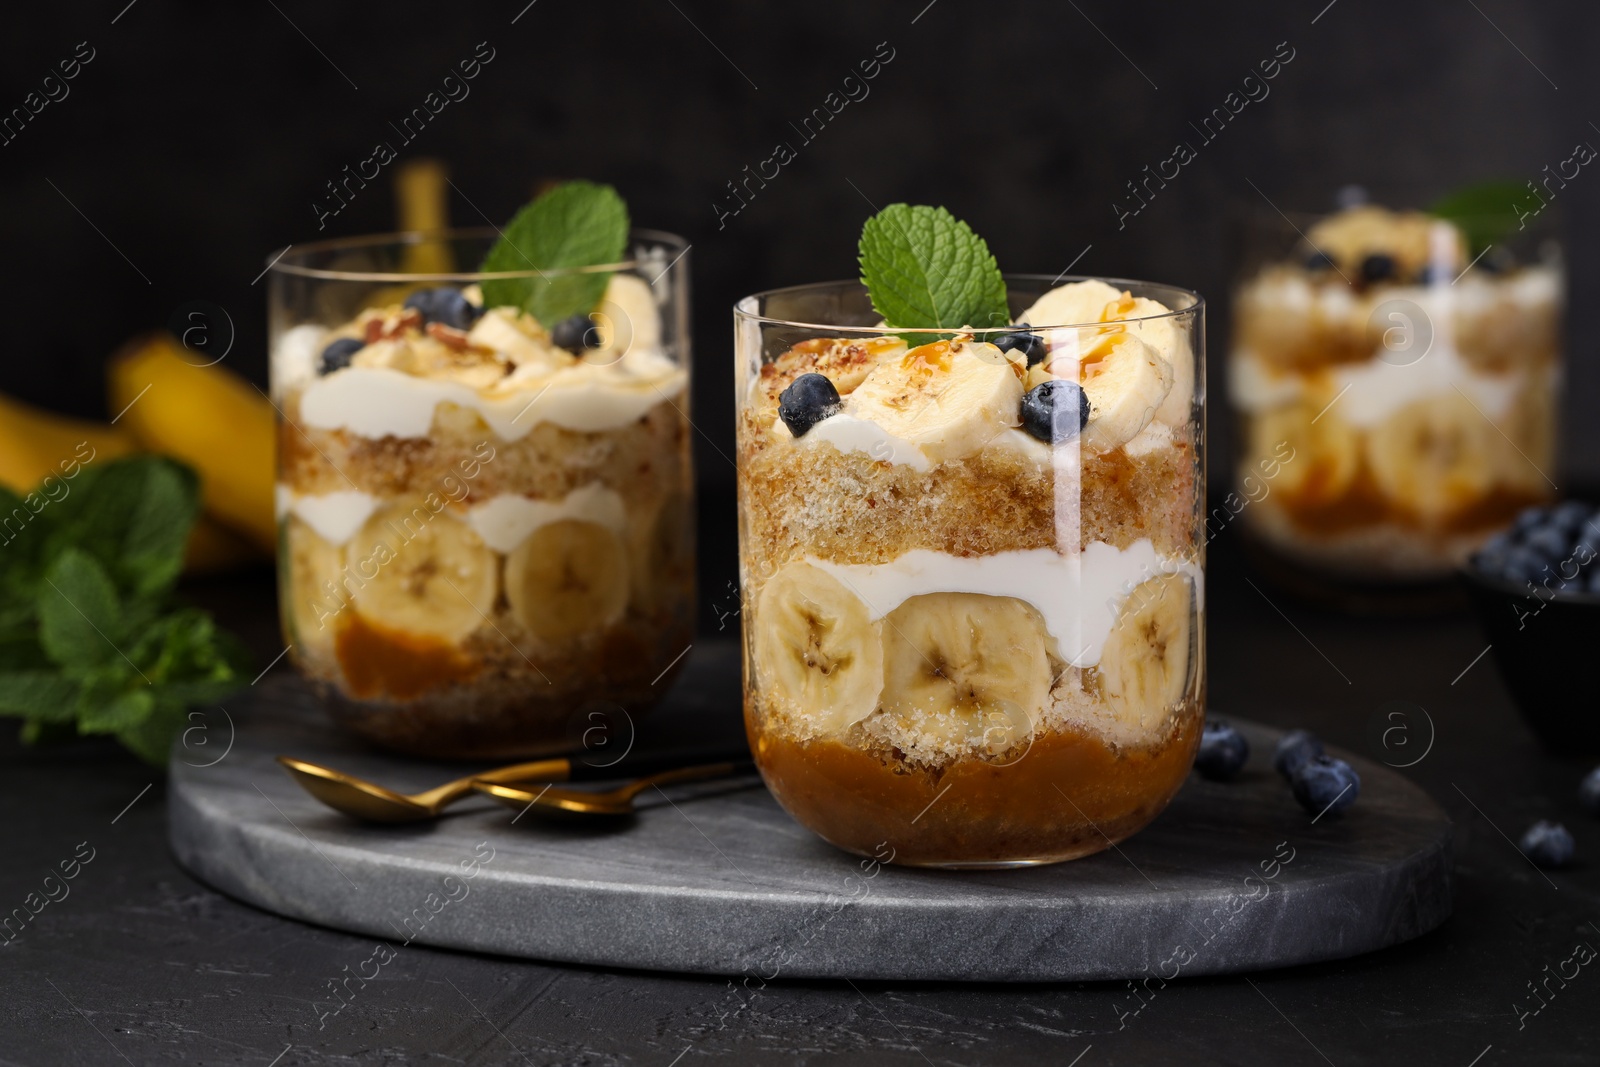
617	801
361	799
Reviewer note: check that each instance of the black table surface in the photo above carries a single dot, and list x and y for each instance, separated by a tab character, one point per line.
139	963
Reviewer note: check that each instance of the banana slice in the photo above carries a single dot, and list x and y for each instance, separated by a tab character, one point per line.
1163	335
422	573
1325	456
1126	381
817	651
1072	304
627	319
568	578
949	398
519	337
1144	666
966	657
1434	456
844	361
315	592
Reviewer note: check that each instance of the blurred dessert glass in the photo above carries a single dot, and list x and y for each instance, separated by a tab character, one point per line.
485	521
1393	379
972	569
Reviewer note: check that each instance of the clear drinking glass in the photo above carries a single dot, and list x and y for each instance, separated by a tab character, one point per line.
1394	392
965	645
486	523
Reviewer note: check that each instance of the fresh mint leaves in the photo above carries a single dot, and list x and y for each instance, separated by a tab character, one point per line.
89	639
576	224
924	268
1486	213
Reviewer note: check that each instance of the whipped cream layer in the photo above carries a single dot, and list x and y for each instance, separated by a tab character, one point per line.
1370	392
334	516
510	372
382	402
1079	595
850	434
503	521
1292	291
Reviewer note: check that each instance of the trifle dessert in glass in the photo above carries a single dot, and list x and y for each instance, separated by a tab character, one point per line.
971	566
484	489
1393	376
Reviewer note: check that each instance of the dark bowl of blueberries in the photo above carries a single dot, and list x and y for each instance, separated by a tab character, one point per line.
1536	590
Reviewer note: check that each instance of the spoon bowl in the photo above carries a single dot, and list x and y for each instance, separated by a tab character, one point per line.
370	802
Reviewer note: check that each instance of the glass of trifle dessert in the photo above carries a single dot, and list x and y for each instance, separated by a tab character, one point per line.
484	486
1393	377
970	552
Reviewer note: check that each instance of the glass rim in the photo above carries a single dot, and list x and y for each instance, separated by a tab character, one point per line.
283	262
1197	305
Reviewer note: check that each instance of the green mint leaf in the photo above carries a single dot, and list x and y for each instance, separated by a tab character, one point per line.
122	711
576	224
39	695
88	642
189	654
151	738
1486	212
133	515
79	612
923	267
25	525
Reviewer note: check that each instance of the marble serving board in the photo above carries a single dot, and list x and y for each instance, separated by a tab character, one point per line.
719	880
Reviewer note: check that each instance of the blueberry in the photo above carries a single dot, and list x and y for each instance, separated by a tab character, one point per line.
1547	844
1325	786
1528	518
1523	564
1571	515
1589	792
1295	748
444	305
808	400
338	355
1029	344
1055	411
1223	751
1491	556
1317	260
575	333
1549	541
1571	585
1594	580
1378	267
1586	549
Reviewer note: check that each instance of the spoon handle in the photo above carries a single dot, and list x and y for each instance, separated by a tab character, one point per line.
544	770
641	764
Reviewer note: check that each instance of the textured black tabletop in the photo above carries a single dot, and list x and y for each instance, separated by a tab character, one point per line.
138	963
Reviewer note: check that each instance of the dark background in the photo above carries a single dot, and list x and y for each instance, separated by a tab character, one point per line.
198	137
194	144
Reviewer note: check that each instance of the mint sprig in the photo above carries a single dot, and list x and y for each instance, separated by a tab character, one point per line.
90	642
1486	213
575	224
925	269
